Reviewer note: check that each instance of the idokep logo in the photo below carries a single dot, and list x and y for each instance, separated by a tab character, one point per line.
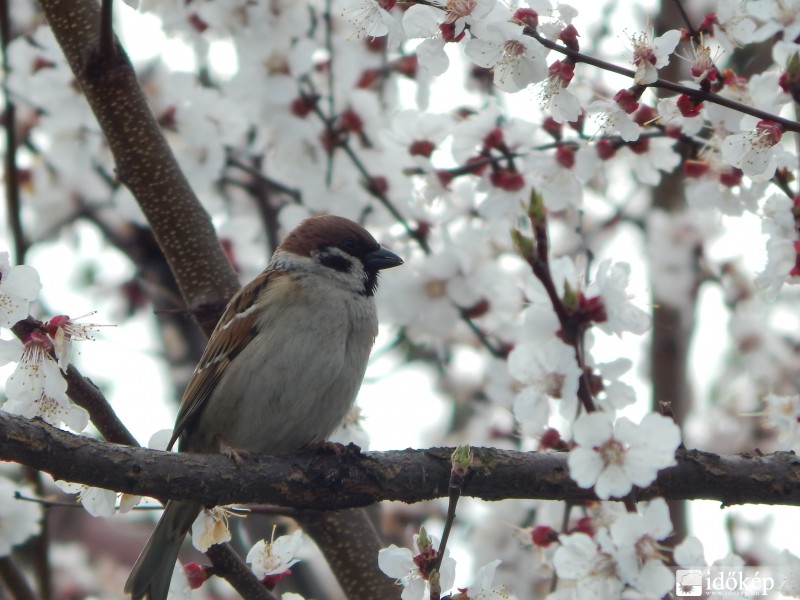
720	581
689	582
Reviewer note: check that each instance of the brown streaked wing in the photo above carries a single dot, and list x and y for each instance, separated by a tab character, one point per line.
220	350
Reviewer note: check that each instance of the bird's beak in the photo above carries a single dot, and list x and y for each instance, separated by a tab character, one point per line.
381	258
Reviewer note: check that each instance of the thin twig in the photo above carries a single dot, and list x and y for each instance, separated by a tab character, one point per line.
227	564
698	95
294	193
572	328
685	16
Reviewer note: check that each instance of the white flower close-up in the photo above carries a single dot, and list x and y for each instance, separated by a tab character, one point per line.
19	518
615	456
276	556
19	286
211	526
651	53
399	563
516	59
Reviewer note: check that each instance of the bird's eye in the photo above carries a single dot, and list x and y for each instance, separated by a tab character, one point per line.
349	245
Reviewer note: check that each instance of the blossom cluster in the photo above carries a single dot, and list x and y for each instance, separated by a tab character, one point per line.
37	387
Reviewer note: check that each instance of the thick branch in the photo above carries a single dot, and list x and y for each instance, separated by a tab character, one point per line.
143	158
328	481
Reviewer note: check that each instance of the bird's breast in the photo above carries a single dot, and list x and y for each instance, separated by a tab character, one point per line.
296	380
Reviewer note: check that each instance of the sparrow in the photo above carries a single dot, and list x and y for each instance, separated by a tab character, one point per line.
281	369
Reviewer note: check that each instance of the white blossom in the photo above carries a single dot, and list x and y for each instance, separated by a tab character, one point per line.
593	570
610	283
19	519
652	53
19	286
689	553
651	157
556	96
211	526
371	18
482	588
613	119
63	332
783	412
613	457
776	16
51	409
542	371
615	394
98	502
754	152
640	561
37	374
276	556
517	60
399	563
424	20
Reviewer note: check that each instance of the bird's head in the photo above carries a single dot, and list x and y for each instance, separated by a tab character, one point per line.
339	249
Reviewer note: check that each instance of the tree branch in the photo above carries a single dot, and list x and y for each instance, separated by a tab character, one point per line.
331	481
143	158
663	84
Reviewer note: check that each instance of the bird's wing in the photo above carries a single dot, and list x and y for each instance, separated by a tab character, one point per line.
239	320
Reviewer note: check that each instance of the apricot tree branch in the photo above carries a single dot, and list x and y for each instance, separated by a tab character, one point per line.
144	161
697	94
320	481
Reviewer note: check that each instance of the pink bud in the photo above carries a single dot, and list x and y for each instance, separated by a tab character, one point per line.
771	129
422	148
627	100
688	107
605	148
565	156
543	536
507	179
53	324
196	574
528	17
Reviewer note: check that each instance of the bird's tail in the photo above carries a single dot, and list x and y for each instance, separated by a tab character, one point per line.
152	573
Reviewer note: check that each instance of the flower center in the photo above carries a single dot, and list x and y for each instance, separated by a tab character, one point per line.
436	288
457	9
554	383
646	548
612	452
513	50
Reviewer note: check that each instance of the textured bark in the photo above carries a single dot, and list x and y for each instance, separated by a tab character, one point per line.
228	564
144	161
331	480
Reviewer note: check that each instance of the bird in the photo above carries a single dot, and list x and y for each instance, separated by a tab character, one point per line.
281	369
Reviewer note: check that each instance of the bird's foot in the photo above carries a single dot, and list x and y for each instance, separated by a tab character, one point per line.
238	455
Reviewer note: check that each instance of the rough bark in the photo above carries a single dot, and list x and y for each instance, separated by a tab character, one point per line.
321	480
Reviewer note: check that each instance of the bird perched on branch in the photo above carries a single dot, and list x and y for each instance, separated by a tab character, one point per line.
281	369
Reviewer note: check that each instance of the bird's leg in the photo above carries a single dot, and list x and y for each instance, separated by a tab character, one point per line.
237	455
